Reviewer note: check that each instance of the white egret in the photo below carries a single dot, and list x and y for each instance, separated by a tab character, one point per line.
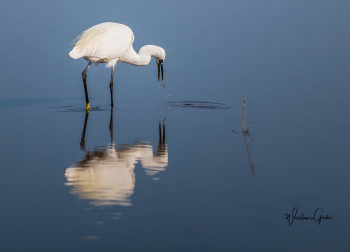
111	43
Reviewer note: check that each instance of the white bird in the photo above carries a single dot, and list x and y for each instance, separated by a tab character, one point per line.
111	43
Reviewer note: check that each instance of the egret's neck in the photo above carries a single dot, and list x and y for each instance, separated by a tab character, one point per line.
131	57
142	58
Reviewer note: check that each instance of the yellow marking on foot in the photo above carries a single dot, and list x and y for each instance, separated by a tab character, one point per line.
88	106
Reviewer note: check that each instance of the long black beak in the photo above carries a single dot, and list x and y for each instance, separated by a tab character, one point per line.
160	69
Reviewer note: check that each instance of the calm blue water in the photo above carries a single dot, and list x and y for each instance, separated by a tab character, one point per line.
174	172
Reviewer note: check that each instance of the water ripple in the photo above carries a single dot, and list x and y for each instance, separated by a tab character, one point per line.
80	108
198	104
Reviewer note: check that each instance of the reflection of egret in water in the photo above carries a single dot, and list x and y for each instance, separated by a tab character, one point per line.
106	176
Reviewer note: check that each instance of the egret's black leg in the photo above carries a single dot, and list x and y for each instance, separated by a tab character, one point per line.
82	140
163	132
111	86
111	125
85	87
158	67
161	139
159	135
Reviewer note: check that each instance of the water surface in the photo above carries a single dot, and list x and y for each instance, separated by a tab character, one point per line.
176	165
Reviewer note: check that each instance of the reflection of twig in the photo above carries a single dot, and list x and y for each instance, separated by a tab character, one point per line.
246	136
244	130
247	145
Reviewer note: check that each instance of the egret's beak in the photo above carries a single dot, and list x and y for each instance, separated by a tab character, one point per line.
160	69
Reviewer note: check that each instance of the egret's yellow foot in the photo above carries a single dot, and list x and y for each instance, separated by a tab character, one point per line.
88	106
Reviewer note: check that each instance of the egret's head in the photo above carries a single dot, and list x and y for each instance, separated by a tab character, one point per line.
159	55
160	68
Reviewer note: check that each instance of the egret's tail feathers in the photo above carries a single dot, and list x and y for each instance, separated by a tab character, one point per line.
75	54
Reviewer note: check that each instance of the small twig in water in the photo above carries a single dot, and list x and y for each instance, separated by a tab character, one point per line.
245	130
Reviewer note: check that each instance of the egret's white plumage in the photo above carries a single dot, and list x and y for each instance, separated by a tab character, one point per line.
112	42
